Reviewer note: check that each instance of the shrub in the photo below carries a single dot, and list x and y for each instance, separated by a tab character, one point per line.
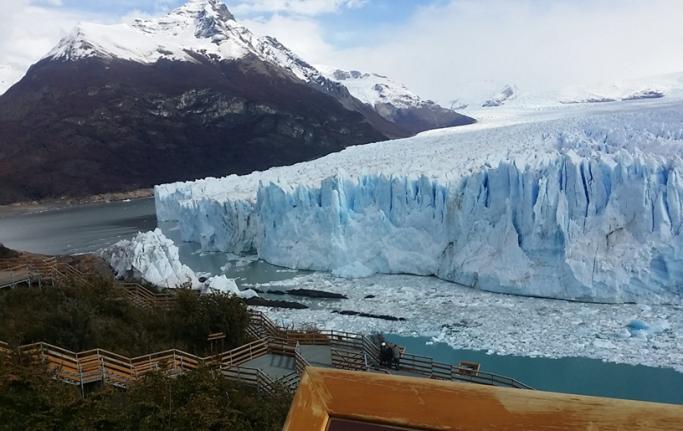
201	400
80	317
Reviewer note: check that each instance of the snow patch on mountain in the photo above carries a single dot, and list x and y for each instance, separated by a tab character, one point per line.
199	28
374	89
587	207
507	93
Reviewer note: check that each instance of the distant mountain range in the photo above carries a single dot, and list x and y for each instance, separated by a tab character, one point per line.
487	99
393	101
188	95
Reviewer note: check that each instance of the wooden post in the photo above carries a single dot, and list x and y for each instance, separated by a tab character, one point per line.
80	377
104	373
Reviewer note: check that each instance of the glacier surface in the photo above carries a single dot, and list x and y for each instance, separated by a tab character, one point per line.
579	204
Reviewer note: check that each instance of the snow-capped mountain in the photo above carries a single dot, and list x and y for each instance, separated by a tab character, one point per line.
206	28
584	204
189	94
394	102
493	100
198	30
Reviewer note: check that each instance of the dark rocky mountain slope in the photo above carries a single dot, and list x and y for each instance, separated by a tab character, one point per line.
188	95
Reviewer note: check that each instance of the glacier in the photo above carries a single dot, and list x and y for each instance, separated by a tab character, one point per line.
578	204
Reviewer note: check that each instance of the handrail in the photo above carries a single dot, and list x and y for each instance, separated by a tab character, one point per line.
270	338
348	359
300	362
252	376
102	365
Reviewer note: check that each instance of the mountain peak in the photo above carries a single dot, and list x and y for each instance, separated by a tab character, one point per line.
204	10
208	19
199	26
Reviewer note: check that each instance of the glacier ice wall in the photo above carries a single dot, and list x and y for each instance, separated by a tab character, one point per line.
596	220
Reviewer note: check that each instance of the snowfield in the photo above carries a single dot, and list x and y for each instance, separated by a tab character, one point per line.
575	203
374	89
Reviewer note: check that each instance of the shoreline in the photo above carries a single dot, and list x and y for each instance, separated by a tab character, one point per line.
32	207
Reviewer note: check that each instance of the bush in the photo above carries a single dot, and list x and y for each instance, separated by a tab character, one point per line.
79	317
201	400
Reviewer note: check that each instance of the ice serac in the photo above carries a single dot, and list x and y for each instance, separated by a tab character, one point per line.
584	208
151	257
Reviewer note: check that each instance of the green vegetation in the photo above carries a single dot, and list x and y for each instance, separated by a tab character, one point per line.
79	317
202	400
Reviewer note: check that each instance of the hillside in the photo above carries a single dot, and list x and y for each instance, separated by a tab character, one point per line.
187	95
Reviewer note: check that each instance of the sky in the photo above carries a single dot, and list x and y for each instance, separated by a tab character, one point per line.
438	48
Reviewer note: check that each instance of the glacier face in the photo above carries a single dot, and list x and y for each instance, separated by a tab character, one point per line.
583	208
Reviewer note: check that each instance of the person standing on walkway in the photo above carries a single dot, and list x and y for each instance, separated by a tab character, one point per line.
396	353
383	348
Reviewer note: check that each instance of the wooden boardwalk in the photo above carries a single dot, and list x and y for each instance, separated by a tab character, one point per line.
277	356
12	277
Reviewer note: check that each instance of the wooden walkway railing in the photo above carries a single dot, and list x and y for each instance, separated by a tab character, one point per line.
352	360
11	277
349	350
140	295
100	365
437	370
355	351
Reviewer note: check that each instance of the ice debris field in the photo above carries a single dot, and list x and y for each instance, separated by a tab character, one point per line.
586	204
465	318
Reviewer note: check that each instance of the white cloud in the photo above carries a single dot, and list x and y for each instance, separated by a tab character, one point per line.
296	7
535	44
29	31
441	48
303	35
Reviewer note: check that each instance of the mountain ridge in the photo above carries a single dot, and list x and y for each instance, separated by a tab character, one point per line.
193	93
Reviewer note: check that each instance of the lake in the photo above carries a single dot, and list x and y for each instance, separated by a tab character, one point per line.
570	375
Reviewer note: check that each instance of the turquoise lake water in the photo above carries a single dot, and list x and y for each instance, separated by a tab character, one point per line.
570	375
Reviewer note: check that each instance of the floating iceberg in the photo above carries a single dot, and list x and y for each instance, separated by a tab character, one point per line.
587	206
223	284
152	257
